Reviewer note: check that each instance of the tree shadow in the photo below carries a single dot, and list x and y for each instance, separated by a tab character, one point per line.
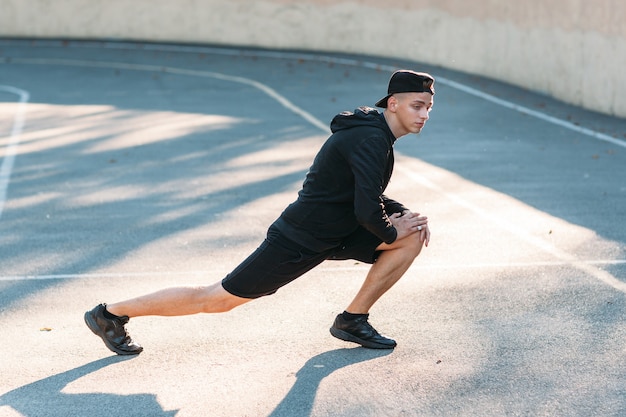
45	397
301	397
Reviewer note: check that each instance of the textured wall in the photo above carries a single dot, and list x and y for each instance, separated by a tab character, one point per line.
574	50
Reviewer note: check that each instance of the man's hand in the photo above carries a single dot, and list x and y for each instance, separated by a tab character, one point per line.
407	223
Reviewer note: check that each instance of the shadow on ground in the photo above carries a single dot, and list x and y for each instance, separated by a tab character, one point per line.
301	398
45	397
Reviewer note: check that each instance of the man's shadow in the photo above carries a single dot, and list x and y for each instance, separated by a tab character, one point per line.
44	397
301	397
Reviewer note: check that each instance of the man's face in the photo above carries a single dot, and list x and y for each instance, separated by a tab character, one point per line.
411	110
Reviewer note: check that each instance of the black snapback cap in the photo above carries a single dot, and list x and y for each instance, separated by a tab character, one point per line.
407	81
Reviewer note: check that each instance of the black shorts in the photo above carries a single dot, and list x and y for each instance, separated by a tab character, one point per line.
278	261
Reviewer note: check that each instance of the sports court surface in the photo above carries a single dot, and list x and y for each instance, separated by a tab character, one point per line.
127	168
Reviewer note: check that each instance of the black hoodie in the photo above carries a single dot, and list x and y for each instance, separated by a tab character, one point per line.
344	187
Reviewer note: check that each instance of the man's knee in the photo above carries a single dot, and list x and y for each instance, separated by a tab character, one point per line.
412	245
218	300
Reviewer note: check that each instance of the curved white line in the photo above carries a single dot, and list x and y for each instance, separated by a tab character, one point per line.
340	61
533	113
178	71
14	139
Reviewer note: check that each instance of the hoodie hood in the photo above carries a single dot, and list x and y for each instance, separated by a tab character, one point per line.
362	116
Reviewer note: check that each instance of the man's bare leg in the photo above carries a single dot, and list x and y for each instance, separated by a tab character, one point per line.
108	321
352	325
390	266
179	301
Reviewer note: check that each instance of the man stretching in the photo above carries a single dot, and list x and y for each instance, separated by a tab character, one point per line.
341	213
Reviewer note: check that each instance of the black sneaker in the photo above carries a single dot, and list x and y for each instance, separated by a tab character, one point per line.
111	331
360	331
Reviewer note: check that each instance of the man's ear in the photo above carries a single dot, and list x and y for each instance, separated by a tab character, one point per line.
392	103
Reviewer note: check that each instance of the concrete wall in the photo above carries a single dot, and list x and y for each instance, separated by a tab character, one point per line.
574	50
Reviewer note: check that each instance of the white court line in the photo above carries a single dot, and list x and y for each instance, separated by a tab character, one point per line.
337	61
14	139
178	71
363	267
547	247
378	67
389	68
534	113
520	233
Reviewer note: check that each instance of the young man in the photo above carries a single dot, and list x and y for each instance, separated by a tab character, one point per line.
340	213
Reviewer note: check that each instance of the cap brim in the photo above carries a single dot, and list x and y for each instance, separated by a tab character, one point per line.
383	102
